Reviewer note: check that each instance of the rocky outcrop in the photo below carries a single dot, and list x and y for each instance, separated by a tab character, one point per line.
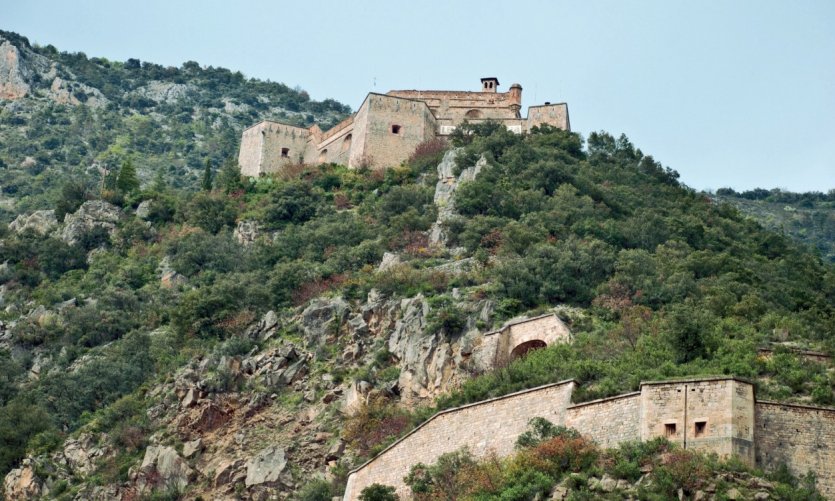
13	74
22	483
266	467
322	319
40	221
448	182
247	232
164	92
82	453
163	468
92	214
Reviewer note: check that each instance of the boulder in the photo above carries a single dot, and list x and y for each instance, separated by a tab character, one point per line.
322	318
92	214
40	221
143	210
266	467
192	448
162	466
389	260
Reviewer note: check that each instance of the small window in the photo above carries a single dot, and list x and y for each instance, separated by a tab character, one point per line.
701	427
670	430
395	129
285	152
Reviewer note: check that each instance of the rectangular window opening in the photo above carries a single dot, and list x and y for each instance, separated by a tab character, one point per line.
701	427
285	152
670	430
395	129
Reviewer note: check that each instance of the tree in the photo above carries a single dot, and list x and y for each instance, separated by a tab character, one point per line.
206	184
229	176
127	182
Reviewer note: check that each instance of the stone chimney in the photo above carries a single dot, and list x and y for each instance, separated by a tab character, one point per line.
489	84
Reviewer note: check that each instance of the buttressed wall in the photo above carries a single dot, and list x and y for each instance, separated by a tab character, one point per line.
387	127
718	415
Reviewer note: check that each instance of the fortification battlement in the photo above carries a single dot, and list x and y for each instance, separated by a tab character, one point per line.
387	128
713	414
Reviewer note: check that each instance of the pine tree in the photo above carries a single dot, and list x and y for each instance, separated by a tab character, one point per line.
207	176
127	182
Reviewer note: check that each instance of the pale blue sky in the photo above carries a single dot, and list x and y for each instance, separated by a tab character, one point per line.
729	93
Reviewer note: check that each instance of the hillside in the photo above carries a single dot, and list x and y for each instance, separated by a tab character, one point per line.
66	116
258	338
809	218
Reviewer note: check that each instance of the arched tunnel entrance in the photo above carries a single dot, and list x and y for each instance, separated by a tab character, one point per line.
526	347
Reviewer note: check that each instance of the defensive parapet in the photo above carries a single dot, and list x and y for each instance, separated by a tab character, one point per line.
711	414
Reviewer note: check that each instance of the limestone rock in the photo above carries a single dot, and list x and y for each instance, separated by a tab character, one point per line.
445	192
266	467
164	92
92	214
143	210
22	483
389	260
163	466
323	318
13	74
40	221
247	232
192	448
82	454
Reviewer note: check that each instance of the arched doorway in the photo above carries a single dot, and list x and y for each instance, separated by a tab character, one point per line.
323	156
526	347
346	143
473	114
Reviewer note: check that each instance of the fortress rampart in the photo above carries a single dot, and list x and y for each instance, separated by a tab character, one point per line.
719	414
387	127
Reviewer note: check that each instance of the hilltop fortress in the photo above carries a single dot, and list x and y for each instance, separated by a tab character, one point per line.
387	127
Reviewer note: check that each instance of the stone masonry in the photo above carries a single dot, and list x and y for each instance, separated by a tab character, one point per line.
712	414
387	128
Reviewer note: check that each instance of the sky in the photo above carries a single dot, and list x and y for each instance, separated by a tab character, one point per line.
734	94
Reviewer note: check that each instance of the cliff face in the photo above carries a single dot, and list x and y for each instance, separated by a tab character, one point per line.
13	84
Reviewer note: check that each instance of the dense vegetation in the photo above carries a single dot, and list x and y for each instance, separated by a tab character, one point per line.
170	121
807	217
667	282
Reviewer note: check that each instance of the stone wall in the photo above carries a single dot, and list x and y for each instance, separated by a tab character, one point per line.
413	120
803	438
483	427
714	415
553	114
609	421
263	145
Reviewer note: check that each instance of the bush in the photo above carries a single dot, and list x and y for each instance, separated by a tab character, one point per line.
378	492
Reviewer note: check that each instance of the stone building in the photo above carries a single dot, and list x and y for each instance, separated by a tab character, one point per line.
719	414
387	127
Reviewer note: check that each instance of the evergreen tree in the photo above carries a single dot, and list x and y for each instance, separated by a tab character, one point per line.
127	182
229	176
207	176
